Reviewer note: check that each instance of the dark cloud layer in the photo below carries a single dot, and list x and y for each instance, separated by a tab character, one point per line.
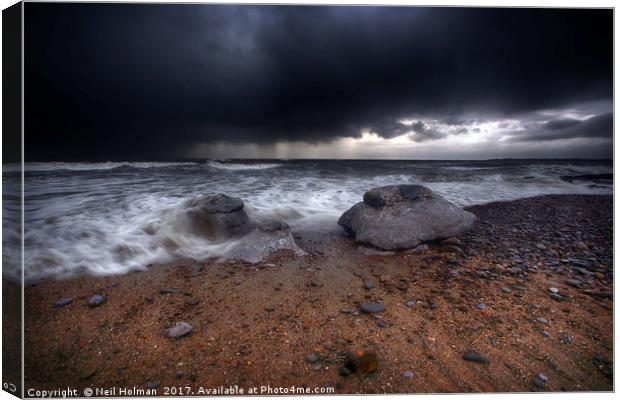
120	81
600	126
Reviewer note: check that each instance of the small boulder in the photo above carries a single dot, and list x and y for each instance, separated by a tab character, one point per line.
217	217
401	217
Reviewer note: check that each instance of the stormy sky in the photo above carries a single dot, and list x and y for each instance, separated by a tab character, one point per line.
146	82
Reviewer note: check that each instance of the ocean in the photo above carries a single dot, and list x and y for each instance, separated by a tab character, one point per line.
115	217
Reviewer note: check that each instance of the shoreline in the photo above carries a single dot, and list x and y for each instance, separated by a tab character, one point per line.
255	324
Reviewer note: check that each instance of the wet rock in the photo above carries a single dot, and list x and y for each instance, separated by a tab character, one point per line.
96	300
362	360
540	380
403	216
65	301
179	330
474	356
217	217
372	308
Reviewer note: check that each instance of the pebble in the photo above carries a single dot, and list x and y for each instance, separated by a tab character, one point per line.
545	333
541	246
372	308
152	384
345	311
542	320
407	374
481	306
96	300
179	374
312	358
506	290
89	373
554	290
540	380
362	360
573	282
472	355
269	308
410	303
65	301
344	371
171	291
369	285
181	329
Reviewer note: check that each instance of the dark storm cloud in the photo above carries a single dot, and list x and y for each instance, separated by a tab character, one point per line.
138	80
423	133
599	126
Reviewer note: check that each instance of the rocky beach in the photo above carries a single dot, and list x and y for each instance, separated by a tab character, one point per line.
522	302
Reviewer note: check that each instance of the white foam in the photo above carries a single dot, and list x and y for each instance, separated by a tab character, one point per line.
241	167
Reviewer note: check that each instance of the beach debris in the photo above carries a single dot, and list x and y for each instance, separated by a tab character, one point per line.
179	330
372	308
65	301
474	356
362	360
398	217
540	380
96	300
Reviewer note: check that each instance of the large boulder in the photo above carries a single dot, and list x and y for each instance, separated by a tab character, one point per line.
400	217
218	217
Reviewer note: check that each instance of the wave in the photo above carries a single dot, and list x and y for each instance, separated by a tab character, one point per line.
241	167
94	166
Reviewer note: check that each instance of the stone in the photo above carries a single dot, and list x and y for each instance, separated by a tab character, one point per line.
264	240
65	301
554	290
362	360
410	303
542	320
369	285
179	374
312	358
408	374
452	241
88	373
96	300
574	282
172	291
152	384
269	308
179	330
506	290
372	308
216	217
400	217
474	356
540	380
344	371
481	306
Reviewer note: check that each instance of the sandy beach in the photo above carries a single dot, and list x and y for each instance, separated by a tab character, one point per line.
530	289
